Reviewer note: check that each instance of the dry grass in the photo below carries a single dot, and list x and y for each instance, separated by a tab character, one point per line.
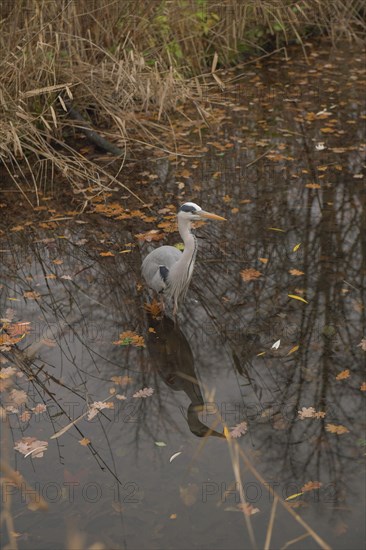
128	65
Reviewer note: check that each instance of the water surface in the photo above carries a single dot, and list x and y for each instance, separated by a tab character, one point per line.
283	161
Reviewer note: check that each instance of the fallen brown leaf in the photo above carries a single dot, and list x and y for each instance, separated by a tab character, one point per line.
343	375
32	295
296	272
247	508
155	309
336	429
250	274
130	338
152	235
327	130
313	185
311	485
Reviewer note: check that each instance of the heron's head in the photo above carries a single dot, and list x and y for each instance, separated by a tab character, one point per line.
192	212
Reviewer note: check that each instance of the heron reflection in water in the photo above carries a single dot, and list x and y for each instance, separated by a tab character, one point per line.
172	358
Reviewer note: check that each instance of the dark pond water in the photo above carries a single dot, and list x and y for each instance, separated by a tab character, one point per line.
284	163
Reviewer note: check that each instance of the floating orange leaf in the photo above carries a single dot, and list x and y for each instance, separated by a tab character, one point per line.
313	186
311	485
155	308
18	329
306	412
32	295
250	274
7	340
130	338
144	393
109	253
168	226
98	406
310	412
84	442
239	430
31	445
296	272
186	173
7	372
343	375
263	260
363	386
247	508
336	429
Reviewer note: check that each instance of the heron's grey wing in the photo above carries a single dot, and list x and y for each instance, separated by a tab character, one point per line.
156	265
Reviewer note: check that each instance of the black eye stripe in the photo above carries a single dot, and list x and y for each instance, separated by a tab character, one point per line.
187	208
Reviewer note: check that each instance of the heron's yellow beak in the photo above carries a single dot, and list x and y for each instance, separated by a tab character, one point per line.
210	216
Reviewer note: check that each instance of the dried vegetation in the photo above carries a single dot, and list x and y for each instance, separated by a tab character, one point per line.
127	66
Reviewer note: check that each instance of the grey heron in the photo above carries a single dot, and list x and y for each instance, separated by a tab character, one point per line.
167	270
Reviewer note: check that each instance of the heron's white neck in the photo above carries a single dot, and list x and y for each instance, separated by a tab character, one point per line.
181	272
